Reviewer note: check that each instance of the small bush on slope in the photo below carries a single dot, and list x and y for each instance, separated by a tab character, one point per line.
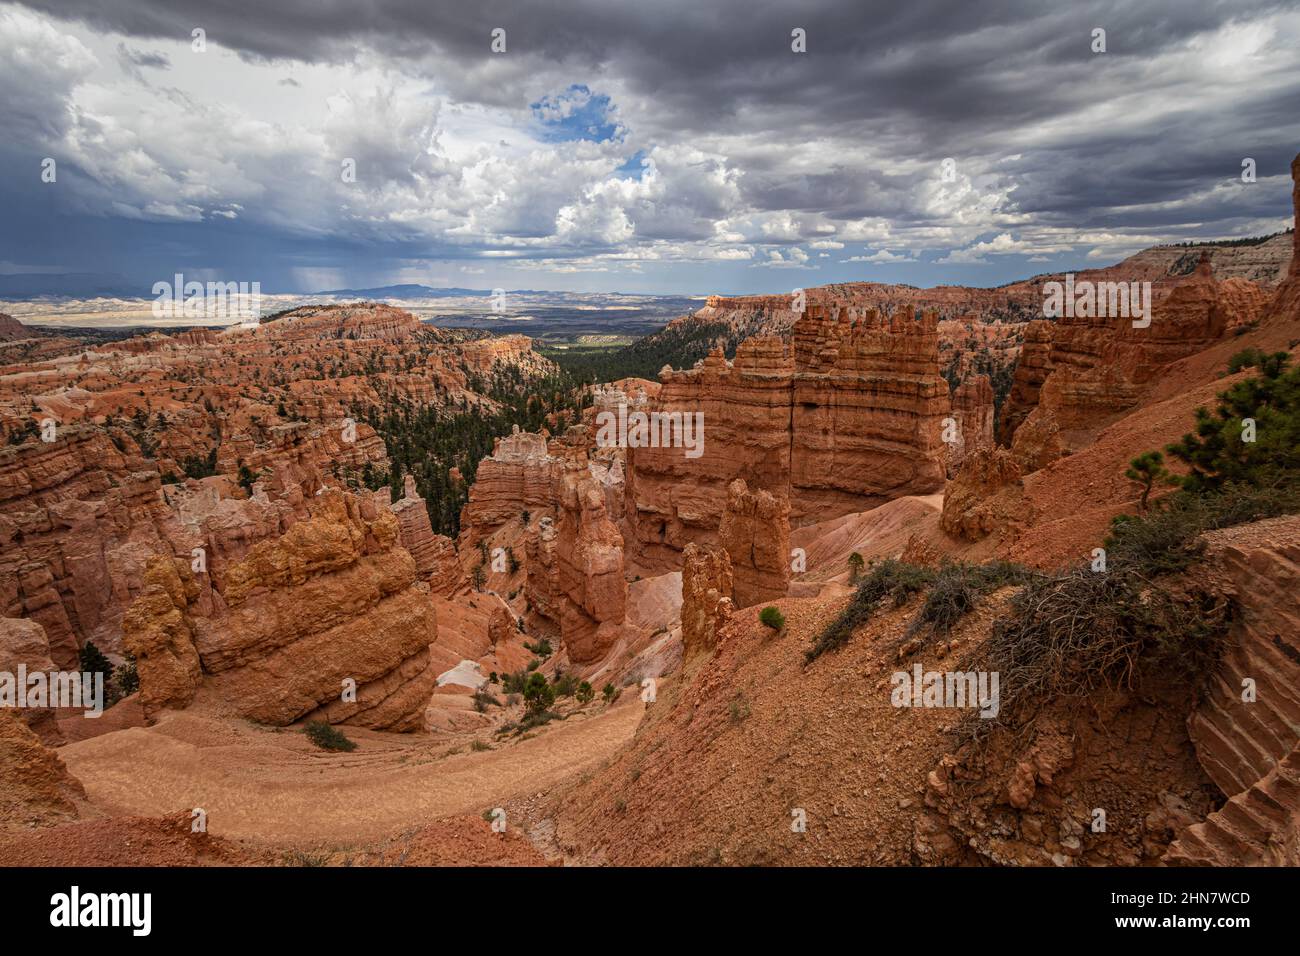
891	581
1254	358
326	737
958	587
1166	540
953	590
542	648
531	720
566	685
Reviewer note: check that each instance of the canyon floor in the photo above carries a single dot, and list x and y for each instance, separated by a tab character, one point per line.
276	795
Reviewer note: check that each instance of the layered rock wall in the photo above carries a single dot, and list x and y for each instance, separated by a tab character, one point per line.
972	412
755	532
1286	304
846	415
520	476
1032	368
332	599
985	495
38	790
706	597
427	549
867	412
78	522
1101	366
745	408
277	633
23	644
1246	730
587	561
159	632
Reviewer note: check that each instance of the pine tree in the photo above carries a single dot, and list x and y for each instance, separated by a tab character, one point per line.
93	661
1253	435
538	694
1147	469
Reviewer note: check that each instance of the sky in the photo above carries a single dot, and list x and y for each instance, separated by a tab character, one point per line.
668	147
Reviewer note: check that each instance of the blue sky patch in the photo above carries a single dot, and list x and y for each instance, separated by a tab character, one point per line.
634	168
577	113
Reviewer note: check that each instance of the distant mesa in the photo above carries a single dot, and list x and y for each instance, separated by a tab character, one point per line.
11	329
407	291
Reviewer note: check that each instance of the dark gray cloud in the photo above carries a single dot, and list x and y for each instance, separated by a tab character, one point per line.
950	65
1048	136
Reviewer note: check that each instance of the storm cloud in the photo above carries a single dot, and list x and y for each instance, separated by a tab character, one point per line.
675	146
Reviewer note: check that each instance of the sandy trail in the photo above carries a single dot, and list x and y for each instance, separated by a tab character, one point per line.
273	786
